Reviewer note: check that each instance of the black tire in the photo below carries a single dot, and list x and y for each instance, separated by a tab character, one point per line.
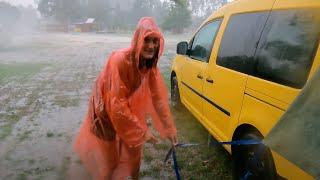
253	161
175	95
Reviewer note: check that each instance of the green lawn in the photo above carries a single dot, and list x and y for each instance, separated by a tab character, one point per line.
200	162
19	69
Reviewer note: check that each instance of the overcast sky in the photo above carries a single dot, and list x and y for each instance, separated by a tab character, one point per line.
21	2
31	2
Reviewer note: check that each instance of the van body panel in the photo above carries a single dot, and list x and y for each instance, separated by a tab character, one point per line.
267	99
292	4
234	98
243	6
289	170
177	65
191	85
259	114
316	62
227	89
283	94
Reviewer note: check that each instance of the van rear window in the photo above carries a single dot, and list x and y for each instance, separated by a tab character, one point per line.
287	47
279	48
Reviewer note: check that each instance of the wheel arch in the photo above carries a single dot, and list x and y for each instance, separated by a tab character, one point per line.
243	129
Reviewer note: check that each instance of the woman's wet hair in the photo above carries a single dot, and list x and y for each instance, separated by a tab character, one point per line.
149	62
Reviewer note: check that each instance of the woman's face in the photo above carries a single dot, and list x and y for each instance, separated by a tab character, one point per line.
149	47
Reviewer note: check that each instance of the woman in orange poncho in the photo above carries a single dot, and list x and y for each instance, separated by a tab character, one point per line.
128	89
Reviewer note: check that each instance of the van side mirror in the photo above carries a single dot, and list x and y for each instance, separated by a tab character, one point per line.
182	48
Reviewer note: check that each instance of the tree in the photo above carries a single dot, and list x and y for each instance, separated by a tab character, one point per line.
201	9
99	10
204	8
63	10
28	20
9	15
178	18
140	8
161	10
46	7
118	18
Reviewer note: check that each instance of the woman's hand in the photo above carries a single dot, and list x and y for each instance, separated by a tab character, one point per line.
150	138
173	139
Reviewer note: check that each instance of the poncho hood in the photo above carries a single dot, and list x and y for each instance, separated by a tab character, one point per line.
145	27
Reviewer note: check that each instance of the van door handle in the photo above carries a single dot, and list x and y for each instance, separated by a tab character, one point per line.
199	76
209	80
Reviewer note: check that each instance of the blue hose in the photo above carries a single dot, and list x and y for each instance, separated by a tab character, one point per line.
172	152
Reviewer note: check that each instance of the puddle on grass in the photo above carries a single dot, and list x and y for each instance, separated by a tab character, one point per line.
50	104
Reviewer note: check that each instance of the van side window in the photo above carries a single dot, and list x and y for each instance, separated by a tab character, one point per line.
287	46
203	41
240	40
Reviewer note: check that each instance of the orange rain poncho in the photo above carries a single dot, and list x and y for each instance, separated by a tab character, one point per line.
129	96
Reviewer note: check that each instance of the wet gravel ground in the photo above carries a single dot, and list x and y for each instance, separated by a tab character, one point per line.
41	111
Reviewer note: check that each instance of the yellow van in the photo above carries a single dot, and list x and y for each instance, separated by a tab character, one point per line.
241	71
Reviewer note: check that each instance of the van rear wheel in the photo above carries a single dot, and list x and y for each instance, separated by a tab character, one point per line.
253	161
175	95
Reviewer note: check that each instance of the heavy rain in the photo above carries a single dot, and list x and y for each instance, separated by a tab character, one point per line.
51	52
47	68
